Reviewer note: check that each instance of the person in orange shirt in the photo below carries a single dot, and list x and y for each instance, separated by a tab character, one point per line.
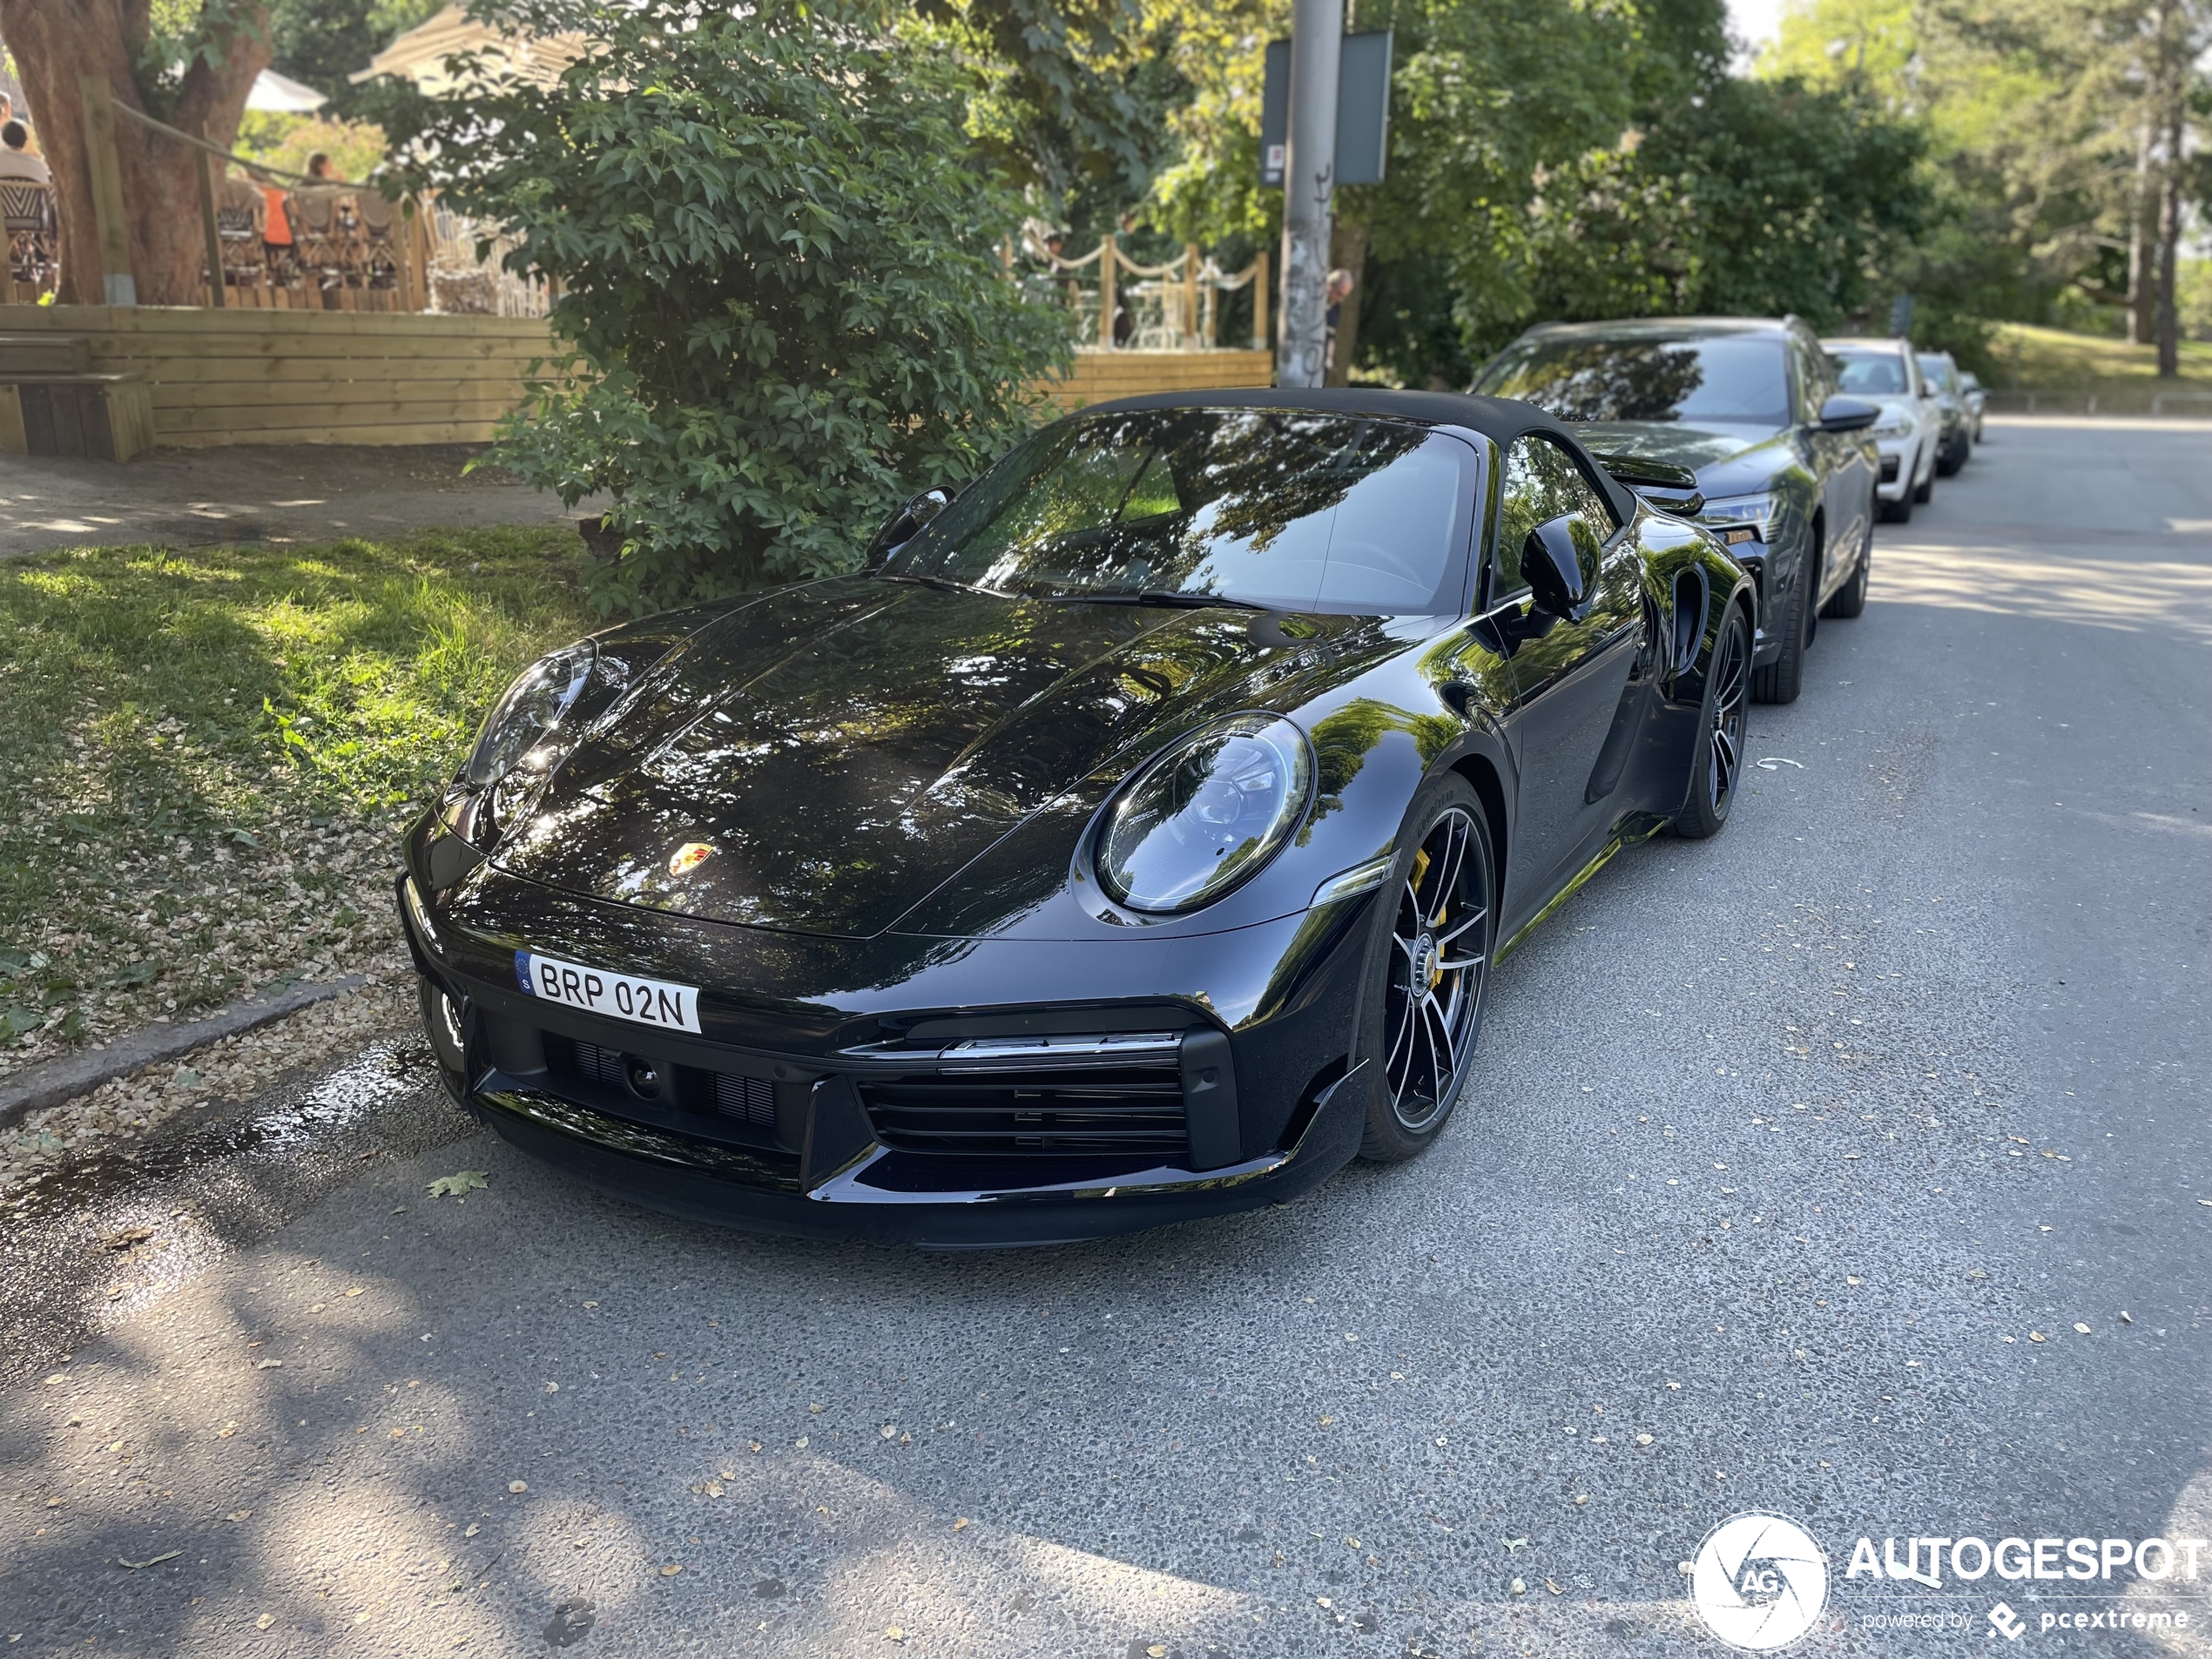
276	228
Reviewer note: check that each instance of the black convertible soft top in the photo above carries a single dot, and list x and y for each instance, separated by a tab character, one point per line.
1499	419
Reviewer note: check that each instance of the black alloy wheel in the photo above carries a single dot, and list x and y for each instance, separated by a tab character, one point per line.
1849	600
1423	1008
1717	766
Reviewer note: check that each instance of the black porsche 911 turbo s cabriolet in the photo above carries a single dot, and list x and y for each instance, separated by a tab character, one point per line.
1133	839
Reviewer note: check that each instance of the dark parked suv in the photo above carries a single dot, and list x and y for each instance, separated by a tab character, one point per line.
1785	463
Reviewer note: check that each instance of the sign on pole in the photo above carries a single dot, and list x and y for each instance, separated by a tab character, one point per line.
1363	109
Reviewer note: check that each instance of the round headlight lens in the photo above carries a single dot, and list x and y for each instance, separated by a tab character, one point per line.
530	711
1206	813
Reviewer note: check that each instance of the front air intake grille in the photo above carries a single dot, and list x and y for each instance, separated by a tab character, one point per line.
748	1100
1888	469
590	1060
986	1103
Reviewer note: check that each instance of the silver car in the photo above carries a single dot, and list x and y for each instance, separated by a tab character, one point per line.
1939	369
1909	435
1977	398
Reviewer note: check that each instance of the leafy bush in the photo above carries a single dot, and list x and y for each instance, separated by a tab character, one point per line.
778	269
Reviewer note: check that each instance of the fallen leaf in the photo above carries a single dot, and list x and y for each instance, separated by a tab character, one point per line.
356	1290
1643	1440
2081	1328
1328	1422
265	1621
1582	1498
472	1529
1157	1650
268	1365
518	1485
961	1524
1554	1587
2127	1317
1850	1278
238	1514
153	1561
894	1634
1513	1544
1519	1588
889	1432
2036	1336
452	1186
552	1388
670	1570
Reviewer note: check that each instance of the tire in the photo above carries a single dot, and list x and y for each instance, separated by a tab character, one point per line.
1782	679
1416	1041
1849	600
1717	764
1924	490
1898	511
1953	456
441	1025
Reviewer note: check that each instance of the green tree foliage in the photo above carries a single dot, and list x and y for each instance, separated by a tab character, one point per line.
777	257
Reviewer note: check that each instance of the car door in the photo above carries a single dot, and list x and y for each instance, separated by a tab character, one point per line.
1840	468
1568	672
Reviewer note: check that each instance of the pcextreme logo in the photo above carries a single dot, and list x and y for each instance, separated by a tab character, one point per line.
1759	1581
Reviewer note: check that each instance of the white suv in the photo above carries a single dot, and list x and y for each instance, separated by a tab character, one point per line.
1909	433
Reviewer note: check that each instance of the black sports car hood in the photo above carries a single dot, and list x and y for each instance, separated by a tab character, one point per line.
1727	459
821	759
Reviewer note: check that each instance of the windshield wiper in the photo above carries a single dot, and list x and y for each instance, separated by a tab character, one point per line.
942	583
1163	598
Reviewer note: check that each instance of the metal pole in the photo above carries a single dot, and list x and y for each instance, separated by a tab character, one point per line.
1309	181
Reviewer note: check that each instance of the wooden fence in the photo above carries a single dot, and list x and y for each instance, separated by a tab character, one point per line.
272	376
252	376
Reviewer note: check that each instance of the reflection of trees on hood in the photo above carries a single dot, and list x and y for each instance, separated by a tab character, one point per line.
1345	737
1613	380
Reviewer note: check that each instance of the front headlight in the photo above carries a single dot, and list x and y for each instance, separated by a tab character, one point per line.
1890	426
1742	518
530	714
1206	814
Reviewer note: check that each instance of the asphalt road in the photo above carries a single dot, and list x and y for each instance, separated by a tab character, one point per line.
1803	1152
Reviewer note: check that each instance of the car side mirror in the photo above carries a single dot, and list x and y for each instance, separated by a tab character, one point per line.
1848	415
1551	564
905	524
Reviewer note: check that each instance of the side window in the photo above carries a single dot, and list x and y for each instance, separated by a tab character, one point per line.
1540	483
1814	373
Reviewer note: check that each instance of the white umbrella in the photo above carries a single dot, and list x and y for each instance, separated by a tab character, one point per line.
281	95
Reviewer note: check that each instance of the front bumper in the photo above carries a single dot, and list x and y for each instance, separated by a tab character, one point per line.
936	1091
1899	463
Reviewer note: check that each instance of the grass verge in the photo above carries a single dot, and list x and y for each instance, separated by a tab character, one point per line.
2051	359
207	754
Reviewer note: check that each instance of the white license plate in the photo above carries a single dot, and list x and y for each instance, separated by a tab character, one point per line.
626	997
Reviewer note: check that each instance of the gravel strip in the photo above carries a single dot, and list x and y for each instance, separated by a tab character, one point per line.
234	1068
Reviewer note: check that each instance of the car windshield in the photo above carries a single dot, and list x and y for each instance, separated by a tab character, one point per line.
1725	381
1289	509
1870	374
1939	371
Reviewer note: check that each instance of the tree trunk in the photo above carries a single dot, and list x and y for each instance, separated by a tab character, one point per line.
53	43
2169	241
1348	251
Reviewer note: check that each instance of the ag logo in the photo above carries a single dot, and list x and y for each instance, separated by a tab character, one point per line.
1759	1581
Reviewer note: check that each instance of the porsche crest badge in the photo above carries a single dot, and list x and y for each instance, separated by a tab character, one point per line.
688	857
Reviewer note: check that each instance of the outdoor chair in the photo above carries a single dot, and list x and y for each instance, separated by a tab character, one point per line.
26	210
